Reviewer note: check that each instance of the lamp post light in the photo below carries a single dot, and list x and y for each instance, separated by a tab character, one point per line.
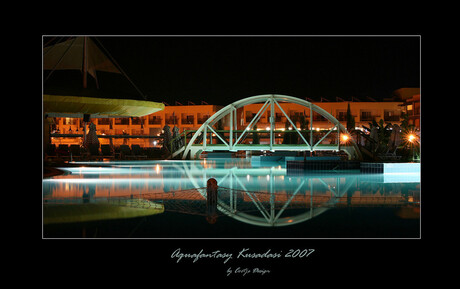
412	138
344	138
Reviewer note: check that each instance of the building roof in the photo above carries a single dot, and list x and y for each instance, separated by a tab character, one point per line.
406	92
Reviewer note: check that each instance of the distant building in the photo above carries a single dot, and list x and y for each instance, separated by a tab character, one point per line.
412	106
411	103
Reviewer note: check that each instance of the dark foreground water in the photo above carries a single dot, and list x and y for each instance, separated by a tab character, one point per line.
336	223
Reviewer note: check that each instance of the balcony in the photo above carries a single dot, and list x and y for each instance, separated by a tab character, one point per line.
103	121
391	118
156	120
319	118
136	121
367	117
172	120
189	119
122	121
341	117
202	120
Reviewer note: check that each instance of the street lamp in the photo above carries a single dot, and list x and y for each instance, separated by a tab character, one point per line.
413	140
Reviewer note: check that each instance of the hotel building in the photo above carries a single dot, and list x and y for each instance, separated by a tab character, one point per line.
145	130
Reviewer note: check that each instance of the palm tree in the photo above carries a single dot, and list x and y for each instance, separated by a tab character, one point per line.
219	127
380	136
255	136
350	120
303	127
411	147
289	137
286	135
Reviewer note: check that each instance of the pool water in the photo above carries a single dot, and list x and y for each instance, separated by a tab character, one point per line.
253	201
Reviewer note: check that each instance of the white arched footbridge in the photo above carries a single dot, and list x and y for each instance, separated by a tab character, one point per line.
202	139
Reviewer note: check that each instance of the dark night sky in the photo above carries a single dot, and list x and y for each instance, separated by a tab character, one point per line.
220	70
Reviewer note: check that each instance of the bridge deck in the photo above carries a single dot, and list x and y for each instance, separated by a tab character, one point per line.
278	147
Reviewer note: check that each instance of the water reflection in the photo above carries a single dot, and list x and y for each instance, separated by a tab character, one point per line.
262	196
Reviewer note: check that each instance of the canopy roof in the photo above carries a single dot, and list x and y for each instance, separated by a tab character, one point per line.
76	106
66	97
69	55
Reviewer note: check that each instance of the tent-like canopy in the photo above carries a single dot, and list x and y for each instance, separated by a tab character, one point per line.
82	53
70	55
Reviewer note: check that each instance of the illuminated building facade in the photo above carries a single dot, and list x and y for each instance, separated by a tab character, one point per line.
411	104
191	117
186	117
362	112
413	110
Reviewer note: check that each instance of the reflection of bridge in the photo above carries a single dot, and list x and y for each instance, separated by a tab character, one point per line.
256	208
238	202
234	139
260	196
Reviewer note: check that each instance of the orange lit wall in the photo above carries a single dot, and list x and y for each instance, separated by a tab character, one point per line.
191	117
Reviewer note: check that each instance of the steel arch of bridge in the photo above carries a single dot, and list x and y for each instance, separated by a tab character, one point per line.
268	100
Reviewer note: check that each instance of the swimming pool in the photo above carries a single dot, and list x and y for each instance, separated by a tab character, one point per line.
255	200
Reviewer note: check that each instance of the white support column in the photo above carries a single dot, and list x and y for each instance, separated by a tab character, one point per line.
230	145
235	122
338	138
311	129
204	137
272	121
272	197
311	198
